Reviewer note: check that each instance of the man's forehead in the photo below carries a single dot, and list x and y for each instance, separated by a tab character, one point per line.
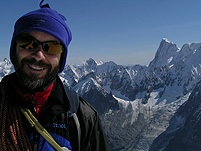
41	36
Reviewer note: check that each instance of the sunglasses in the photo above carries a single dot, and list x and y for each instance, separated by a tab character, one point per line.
29	43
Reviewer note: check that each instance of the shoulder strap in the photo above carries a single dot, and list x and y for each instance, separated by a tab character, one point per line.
34	123
74	104
77	124
74	100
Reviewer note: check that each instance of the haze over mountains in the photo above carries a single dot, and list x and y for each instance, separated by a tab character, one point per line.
152	107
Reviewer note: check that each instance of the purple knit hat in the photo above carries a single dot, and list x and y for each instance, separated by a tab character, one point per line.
44	20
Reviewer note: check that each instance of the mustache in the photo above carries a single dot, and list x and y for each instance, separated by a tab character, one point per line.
33	61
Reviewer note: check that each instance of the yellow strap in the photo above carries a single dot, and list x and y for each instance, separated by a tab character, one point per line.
34	122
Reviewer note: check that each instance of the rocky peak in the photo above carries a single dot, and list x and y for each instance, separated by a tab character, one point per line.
165	54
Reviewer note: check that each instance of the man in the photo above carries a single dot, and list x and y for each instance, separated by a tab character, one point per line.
38	52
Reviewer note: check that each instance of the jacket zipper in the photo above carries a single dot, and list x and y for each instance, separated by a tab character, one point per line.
32	101
35	133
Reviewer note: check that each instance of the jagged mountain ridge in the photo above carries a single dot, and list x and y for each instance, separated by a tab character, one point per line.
183	70
151	94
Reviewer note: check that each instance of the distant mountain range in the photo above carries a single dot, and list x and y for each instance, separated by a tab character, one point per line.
155	107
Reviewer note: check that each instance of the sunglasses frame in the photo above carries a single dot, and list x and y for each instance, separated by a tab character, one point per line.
37	42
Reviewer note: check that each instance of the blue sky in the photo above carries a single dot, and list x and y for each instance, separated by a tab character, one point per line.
124	31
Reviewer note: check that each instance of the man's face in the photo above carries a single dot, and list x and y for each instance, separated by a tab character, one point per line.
36	68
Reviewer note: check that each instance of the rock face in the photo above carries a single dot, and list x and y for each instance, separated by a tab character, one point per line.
184	131
153	107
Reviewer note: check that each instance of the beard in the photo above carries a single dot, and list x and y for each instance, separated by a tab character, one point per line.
32	82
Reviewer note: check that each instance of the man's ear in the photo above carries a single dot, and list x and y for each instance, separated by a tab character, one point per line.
14	55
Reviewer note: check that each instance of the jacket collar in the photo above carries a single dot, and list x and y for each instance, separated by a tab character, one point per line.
57	101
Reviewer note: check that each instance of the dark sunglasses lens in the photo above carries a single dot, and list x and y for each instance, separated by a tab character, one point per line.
53	48
26	43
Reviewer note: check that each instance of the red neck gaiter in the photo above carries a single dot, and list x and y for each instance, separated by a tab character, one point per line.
38	99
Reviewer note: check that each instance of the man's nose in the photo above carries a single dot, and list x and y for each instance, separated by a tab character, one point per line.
38	53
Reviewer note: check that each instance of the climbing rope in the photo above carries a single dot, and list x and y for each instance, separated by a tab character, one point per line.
12	133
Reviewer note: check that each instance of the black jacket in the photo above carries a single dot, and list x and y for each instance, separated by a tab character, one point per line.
56	119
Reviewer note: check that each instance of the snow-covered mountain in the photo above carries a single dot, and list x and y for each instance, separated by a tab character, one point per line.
5	68
141	107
